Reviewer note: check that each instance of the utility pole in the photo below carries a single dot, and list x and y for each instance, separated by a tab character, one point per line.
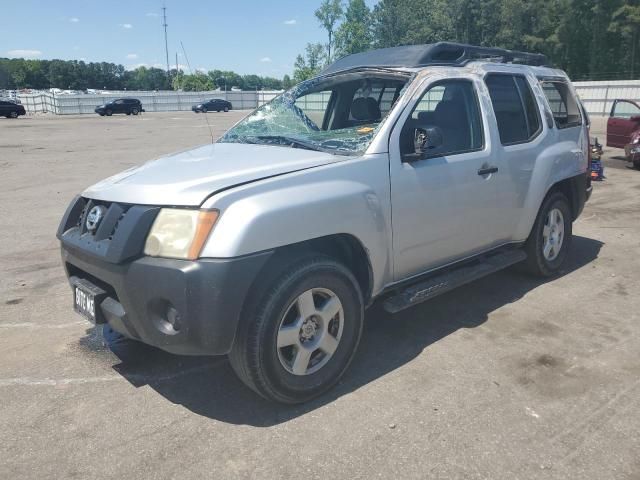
166	44
177	70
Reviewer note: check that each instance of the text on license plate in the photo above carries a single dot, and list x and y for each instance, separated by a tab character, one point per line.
85	303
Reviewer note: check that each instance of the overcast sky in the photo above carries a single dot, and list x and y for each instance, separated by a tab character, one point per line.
248	36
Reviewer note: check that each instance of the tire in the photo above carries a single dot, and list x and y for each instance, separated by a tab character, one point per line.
204	110
300	369
550	239
108	113
101	114
135	111
636	164
13	115
226	109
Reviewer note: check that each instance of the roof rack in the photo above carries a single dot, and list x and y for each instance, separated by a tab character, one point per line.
441	53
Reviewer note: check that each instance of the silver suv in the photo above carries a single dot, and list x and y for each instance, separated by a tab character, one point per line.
396	174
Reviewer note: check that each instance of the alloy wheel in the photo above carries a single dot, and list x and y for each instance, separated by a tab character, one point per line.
310	331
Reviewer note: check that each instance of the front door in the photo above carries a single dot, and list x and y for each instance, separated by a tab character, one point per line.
623	121
443	201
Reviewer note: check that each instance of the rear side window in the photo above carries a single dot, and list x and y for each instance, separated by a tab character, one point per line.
515	108
564	107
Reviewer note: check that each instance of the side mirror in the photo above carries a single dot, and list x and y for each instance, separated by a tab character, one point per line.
425	139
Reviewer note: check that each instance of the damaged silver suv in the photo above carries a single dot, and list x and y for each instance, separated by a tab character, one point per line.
396	174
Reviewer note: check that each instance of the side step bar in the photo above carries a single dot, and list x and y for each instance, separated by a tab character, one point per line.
453	278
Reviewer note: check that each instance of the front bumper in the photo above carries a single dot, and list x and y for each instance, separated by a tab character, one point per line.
208	295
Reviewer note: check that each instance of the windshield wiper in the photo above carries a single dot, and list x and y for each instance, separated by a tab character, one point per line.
294	142
285	140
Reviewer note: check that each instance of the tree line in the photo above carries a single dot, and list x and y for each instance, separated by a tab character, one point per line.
17	73
589	39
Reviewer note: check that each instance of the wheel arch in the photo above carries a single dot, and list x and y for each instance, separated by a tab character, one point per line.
343	247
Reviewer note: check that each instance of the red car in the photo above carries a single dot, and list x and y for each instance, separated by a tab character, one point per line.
623	129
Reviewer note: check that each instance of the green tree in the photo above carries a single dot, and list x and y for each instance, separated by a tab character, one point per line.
197	82
309	64
328	14
625	22
287	83
354	34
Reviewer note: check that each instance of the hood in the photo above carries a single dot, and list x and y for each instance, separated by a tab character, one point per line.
188	178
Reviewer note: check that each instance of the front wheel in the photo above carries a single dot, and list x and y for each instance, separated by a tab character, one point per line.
550	239
299	334
135	111
204	110
636	164
226	109
13	114
108	113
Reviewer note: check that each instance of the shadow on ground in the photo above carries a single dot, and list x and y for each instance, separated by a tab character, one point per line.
207	385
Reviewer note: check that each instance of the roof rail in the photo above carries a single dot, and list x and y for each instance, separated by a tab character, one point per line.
441	53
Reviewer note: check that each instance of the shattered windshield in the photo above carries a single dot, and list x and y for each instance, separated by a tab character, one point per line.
338	114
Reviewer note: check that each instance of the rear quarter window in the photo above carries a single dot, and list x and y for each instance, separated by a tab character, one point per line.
564	106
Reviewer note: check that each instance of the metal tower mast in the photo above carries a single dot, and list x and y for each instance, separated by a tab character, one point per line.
166	44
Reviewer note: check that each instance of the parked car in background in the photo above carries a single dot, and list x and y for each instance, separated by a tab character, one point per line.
428	167
623	129
130	106
217	104
11	109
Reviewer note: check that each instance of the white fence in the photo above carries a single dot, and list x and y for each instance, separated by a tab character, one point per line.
597	98
162	101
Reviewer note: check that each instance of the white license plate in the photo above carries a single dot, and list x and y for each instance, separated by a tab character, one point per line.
84	304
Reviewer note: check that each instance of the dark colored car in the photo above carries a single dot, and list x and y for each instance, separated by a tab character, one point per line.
130	106
216	104
11	109
623	129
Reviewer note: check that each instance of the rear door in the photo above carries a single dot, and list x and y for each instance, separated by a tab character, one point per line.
623	121
520	133
118	106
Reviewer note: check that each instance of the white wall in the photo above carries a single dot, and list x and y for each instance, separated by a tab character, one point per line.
598	97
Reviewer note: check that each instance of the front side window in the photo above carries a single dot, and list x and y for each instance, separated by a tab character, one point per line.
452	107
564	107
515	108
624	109
339	114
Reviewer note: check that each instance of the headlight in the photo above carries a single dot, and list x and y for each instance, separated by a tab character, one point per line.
636	140
180	233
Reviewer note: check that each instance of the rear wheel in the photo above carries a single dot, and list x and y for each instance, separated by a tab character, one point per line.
548	244
298	336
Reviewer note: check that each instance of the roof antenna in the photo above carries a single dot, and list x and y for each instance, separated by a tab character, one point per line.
206	114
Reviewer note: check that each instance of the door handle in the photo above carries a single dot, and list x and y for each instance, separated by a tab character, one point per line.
487	170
